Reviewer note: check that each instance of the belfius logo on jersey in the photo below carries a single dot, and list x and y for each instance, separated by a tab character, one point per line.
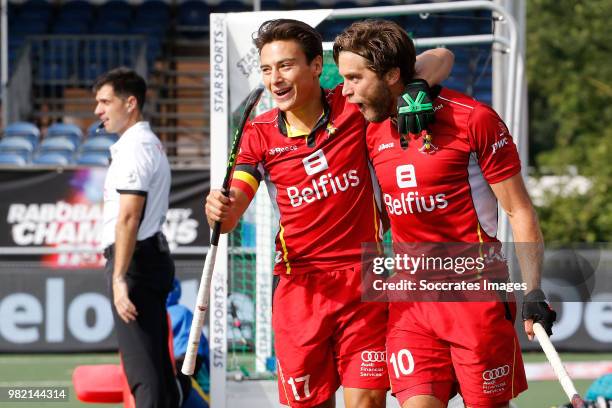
411	202
324	185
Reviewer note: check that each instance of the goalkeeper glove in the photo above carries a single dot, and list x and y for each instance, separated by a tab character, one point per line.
536	308
414	108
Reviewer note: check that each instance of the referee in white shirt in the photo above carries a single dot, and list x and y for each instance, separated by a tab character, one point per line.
139	266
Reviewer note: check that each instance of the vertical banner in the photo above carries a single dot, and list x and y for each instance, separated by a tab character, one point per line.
219	131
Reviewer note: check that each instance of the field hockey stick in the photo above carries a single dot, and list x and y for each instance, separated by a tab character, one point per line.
199	312
557	365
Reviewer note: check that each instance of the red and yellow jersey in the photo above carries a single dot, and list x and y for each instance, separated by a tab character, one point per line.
439	191
319	183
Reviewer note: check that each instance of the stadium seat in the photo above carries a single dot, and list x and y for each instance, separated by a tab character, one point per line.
58	144
39	10
153	11
93	159
97	144
17	146
76	10
67	130
193	13
52	158
25	130
115	10
231	6
271	5
12	159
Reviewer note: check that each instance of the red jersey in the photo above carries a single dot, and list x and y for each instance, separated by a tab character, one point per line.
442	194
320	185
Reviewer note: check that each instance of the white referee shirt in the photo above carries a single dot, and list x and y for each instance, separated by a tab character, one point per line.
138	166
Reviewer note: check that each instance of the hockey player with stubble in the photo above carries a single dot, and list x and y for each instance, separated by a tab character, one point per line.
454	179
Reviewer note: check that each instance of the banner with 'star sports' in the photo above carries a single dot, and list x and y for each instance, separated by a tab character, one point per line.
45	211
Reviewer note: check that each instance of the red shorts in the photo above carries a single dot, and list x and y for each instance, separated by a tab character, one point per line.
325	336
440	348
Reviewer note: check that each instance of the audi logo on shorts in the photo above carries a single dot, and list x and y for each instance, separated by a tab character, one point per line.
496	373
373	356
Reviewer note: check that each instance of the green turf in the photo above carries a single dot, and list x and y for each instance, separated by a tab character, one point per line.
545	394
56	370
35	370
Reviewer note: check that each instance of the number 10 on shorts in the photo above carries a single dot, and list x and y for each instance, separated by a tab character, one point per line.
402	362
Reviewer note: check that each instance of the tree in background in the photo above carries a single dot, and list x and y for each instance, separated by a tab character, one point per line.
569	68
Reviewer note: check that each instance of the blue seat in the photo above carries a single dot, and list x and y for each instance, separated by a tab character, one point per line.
153	11
36	10
17	145
25	130
57	144
76	10
231	6
193	13
93	159
53	158
97	144
12	159
115	9
66	130
271	5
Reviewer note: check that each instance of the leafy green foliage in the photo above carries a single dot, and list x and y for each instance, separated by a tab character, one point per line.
569	66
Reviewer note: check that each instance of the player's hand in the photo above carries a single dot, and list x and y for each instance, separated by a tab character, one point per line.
125	308
414	108
218	206
537	310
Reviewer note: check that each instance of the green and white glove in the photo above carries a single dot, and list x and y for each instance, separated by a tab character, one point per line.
414	108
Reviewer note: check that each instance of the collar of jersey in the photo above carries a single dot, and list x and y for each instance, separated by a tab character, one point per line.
321	123
136	128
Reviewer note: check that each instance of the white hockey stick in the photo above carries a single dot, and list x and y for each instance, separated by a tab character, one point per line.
557	365
199	312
